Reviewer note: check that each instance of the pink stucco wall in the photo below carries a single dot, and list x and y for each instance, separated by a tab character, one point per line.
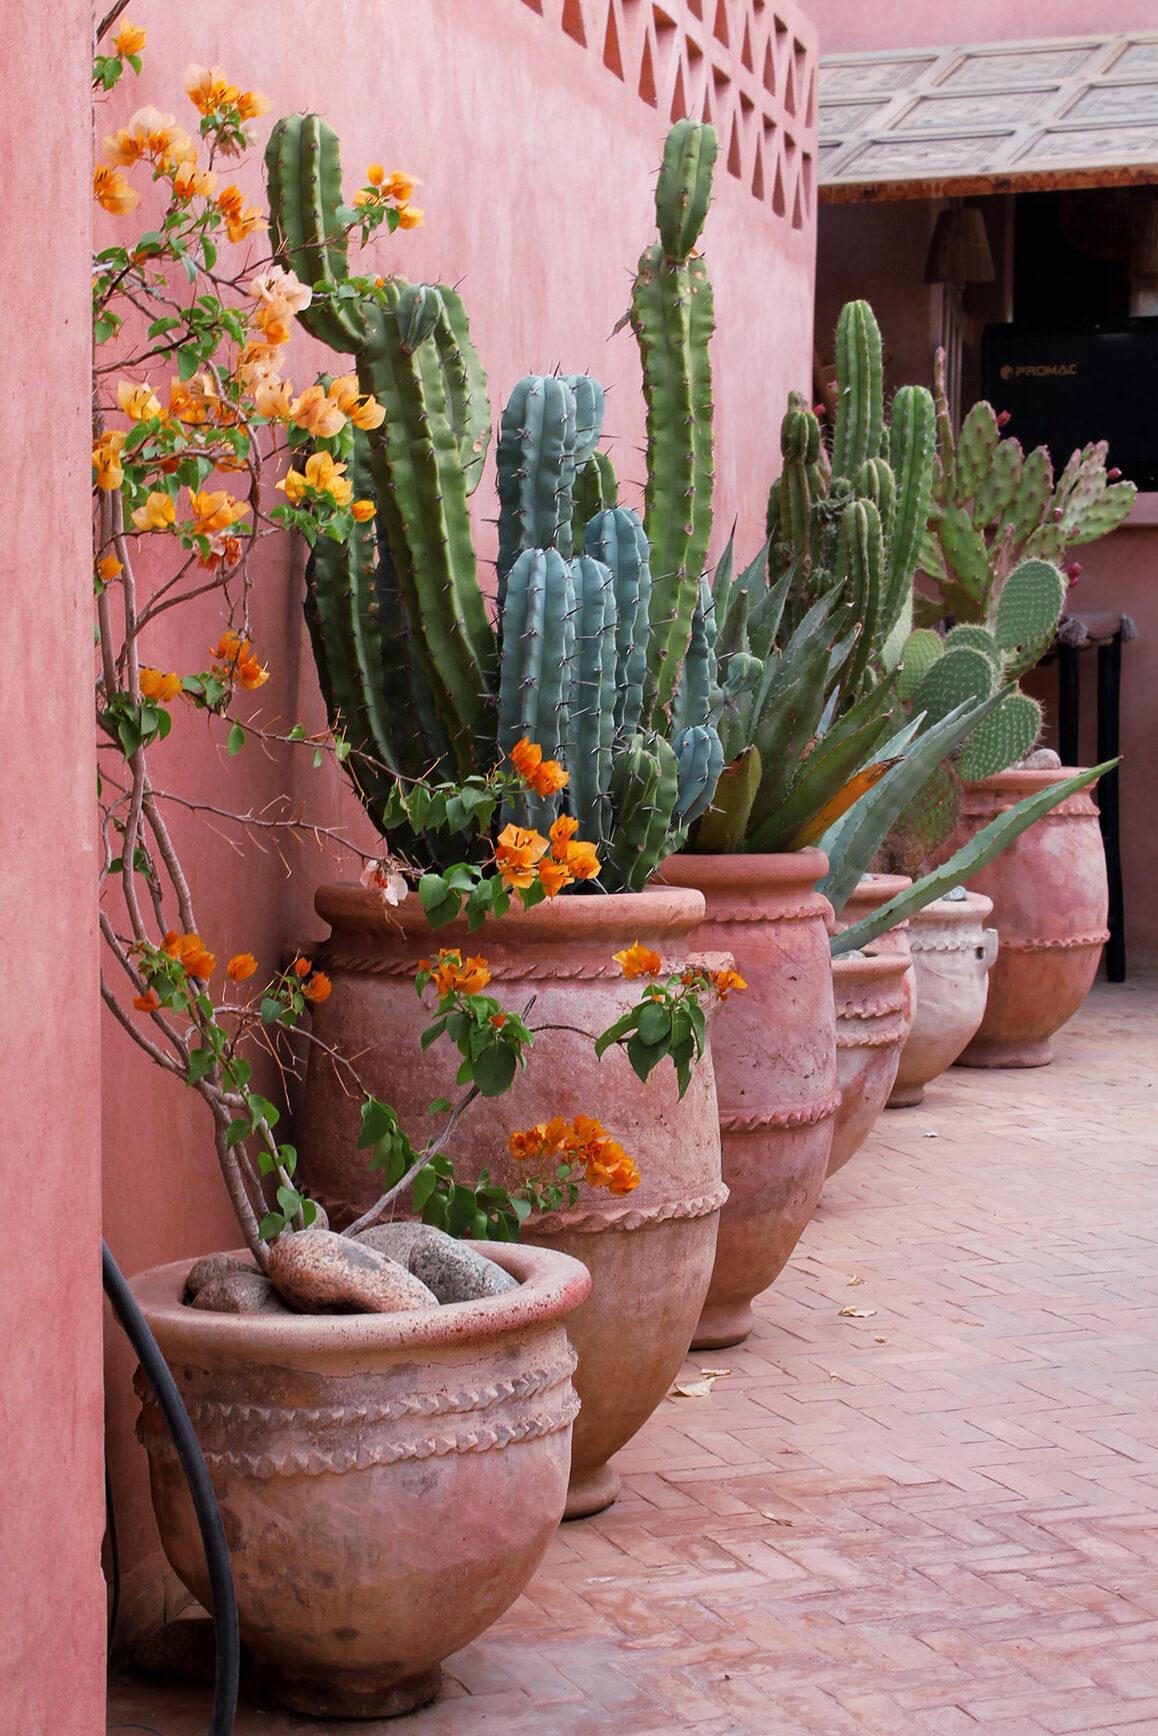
51	1516
538	158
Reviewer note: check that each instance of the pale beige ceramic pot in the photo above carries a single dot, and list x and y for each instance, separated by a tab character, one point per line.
876	999
953	953
388	1483
1050	901
775	1056
650	1252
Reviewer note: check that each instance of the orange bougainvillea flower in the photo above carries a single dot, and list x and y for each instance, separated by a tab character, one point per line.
191	182
410	217
106	459
208	88
362	408
562	832
727	980
149	133
129	39
517	855
363	510
236	661
469	977
192	953
147	1003
109	568
155	685
473	977
318	987
582	860
542	776
240	219
302	967
400	187
240	966
318	414
638	960
111	190
139	402
158	513
194	401
554	876
214	510
498	1020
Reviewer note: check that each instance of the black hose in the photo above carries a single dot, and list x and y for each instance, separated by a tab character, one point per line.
200	1489
114	1559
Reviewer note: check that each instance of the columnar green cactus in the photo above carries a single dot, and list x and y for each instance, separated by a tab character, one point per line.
408	660
304	177
673	320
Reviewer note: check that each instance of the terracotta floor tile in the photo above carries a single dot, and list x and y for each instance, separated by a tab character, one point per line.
954	1533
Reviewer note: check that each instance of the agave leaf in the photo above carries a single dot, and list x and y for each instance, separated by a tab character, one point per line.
969	859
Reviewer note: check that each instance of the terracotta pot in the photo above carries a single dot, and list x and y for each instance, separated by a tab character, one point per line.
775	1066
1049	908
876	999
650	1252
953	953
388	1482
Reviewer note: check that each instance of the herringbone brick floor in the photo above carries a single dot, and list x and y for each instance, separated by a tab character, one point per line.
937	1518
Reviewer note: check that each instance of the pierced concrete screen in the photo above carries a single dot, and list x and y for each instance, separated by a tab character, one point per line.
999	117
748	66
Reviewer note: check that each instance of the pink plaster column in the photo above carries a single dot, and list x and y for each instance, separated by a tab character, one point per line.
51	1517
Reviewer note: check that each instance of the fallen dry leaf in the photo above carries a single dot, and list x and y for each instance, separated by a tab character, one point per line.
854	1280
715	1373
775	1518
882	1341
858	1313
693	1388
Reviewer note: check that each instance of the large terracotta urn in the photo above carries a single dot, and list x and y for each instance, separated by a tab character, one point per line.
1049	908
775	1059
650	1252
388	1483
876	997
953	953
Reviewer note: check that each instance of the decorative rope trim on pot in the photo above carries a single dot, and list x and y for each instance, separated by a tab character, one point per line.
797	913
314	1461
1070	943
884	1038
1081	807
616	1215
881	1009
762	1121
964	944
361	964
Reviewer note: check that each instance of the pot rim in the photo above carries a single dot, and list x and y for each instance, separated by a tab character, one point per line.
353	909
872	964
1028	778
741	868
974	906
551	1285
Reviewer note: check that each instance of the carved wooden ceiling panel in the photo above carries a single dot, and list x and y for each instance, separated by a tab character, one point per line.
748	66
994	117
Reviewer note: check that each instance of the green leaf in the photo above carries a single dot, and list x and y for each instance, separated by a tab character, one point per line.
494	1070
236	740
644	1057
262	1109
271	1226
201	1063
654	1023
378	1122
614	1032
440	1106
425	1183
235	1133
188	362
289	1199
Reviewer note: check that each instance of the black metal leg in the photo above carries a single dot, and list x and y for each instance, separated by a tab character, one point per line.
1068	702
1109	693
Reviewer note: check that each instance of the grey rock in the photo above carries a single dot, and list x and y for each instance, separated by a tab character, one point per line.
955	895
320	1272
1042	759
453	1271
212	1266
240	1293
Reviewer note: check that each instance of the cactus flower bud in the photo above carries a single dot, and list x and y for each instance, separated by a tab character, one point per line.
1113	475
1074	572
1004	417
1057	515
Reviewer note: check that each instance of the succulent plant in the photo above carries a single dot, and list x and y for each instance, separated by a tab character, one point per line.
408	659
993	506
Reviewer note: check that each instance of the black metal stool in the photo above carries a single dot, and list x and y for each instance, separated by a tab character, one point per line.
1077	633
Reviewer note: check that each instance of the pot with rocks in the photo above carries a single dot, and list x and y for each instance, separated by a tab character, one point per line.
953	954
389	1478
650	1252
